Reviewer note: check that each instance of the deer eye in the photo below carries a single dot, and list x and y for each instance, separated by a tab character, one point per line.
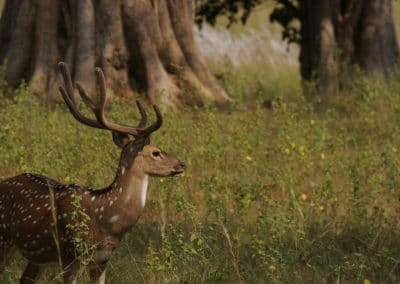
156	154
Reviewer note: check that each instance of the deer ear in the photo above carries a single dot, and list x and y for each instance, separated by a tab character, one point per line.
141	142
120	139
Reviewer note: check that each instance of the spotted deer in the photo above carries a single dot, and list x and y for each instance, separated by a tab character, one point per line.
35	211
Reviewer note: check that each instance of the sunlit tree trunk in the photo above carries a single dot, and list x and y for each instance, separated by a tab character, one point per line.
143	46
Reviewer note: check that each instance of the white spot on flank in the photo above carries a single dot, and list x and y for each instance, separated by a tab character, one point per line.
122	170
145	183
114	219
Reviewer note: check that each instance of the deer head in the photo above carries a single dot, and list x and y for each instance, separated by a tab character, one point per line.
148	159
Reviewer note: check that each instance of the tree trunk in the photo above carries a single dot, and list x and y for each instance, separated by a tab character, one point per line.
143	46
317	58
377	48
336	35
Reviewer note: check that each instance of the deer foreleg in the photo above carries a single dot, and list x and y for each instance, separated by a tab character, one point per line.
98	274
30	273
70	273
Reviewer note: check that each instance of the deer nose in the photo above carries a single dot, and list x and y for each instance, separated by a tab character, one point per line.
180	166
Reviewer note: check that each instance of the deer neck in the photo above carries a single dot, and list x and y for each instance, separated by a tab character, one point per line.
133	188
125	201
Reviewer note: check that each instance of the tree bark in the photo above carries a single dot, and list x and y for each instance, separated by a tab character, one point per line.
17	35
111	48
45	47
180	12
143	46
377	47
317	58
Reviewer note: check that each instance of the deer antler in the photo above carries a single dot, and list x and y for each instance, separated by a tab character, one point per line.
98	107
68	96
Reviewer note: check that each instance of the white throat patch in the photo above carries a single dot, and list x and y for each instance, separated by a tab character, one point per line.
145	183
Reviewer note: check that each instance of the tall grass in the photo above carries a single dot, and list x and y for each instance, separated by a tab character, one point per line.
252	45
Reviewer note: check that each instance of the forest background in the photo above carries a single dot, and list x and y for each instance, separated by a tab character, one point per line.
285	184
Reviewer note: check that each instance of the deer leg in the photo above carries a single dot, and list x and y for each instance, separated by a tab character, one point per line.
30	273
98	273
70	273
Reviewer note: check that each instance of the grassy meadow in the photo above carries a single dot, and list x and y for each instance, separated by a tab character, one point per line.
296	193
280	188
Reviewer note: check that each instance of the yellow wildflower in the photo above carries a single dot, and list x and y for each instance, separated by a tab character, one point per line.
302	149
303	196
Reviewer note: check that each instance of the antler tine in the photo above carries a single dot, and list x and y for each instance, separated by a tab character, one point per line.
100	109
156	125
69	99
67	80
143	115
86	99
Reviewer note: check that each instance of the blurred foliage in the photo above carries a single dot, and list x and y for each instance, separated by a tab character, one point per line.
285	12
209	10
278	189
